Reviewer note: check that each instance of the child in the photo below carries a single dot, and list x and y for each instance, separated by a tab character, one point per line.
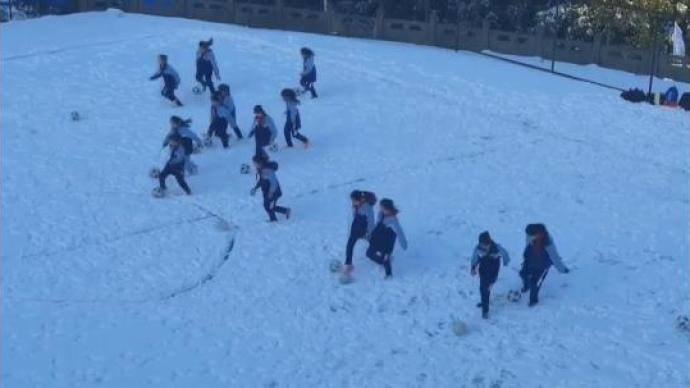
175	165
206	65
219	121
264	130
383	236
293	123
308	74
270	187
188	138
171	80
540	253
362	222
229	104
486	259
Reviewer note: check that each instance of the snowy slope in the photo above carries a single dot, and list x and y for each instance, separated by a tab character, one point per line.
104	286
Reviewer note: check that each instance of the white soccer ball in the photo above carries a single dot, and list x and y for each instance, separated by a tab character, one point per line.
335	266
245	169
459	327
158	192
514	295
682	323
196	90
75	116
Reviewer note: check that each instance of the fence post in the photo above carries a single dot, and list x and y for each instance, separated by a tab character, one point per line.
433	25
281	15
486	34
378	23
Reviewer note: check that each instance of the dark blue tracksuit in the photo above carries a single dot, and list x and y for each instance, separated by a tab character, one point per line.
219	126
171	80
175	167
534	268
293	123
308	76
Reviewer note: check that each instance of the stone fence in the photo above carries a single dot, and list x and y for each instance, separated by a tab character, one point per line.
432	33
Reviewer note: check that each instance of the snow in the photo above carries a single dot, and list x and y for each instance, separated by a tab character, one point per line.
105	286
610	77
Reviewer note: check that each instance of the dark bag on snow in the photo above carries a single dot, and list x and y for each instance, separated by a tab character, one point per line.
685	101
634	95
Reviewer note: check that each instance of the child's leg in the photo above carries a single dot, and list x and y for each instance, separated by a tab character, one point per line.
301	137
235	128
287	130
312	90
268	206
179	176
209	82
162	176
349	248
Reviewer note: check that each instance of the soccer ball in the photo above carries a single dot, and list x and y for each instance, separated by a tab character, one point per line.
158	192
154	172
245	169
682	323
459	327
75	116
514	295
196	90
335	266
273	147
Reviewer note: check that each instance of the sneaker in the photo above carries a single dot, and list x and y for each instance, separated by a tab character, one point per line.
485	315
479	304
287	213
348	268
533	303
306	145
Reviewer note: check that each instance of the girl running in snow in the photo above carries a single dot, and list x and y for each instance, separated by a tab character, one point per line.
174	166
308	74
362	222
264	131
189	139
540	253
383	237
219	121
206	65
171	80
229	103
270	187
486	259
293	123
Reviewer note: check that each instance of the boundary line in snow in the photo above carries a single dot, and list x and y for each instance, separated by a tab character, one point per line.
164	296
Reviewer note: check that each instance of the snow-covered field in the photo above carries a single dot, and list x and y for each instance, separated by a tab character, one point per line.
104	286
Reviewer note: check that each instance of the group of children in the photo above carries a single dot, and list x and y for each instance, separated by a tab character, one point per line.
539	255
182	141
381	232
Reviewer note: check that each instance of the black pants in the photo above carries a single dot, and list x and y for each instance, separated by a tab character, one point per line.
289	134
237	131
178	172
260	151
206	80
351	241
169	93
309	86
488	273
219	127
379	258
271	206
532	279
